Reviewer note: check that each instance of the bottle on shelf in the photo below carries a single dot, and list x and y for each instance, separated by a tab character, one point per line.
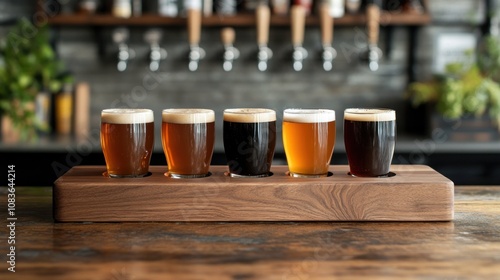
168	8
87	7
43	108
208	7
81	125
280	7
337	8
226	7
251	5
64	110
305	4
413	7
136	8
122	8
352	6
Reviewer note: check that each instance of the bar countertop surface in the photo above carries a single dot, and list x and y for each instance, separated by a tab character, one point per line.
466	248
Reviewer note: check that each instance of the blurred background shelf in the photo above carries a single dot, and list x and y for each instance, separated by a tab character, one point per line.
239	20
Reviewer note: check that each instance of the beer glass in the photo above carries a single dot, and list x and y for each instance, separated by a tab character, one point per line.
249	141
127	137
308	139
188	141
370	138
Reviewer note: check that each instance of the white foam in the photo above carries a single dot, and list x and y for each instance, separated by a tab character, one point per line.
369	115
187	116
309	115
127	116
249	115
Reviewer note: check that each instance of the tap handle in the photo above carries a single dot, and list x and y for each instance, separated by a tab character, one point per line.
153	36
120	35
298	20
194	26
326	24
373	22
227	36
263	19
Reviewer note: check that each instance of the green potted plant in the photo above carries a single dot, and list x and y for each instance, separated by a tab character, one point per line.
465	90
28	66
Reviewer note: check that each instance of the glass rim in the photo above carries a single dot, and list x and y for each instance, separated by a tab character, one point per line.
370	114
308	115
187	111
127	116
248	111
249	115
188	115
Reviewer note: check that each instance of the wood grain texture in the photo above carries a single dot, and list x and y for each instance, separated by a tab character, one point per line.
466	248
416	193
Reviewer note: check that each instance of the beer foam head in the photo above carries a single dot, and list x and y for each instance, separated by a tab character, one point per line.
369	115
249	115
127	116
187	116
308	115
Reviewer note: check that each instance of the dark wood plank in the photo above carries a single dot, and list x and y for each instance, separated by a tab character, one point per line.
416	193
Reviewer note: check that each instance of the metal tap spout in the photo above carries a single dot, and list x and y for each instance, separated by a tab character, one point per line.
263	56
196	54
156	53
299	55
228	36
374	56
328	55
298	20
125	53
230	55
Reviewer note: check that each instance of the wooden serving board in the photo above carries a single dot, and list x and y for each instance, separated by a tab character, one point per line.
416	193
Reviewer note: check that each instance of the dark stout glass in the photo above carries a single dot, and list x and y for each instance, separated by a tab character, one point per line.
188	141
127	138
370	138
249	141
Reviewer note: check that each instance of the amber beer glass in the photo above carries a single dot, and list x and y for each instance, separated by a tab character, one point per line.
308	139
370	138
249	141
188	141
127	137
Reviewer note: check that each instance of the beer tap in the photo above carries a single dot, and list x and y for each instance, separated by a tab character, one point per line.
230	52
263	19
156	54
196	53
298	20
120	37
326	24
373	25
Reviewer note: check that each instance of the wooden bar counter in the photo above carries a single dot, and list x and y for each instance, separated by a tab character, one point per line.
466	248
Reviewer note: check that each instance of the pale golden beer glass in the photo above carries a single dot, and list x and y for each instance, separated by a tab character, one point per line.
188	137
127	138
308	139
